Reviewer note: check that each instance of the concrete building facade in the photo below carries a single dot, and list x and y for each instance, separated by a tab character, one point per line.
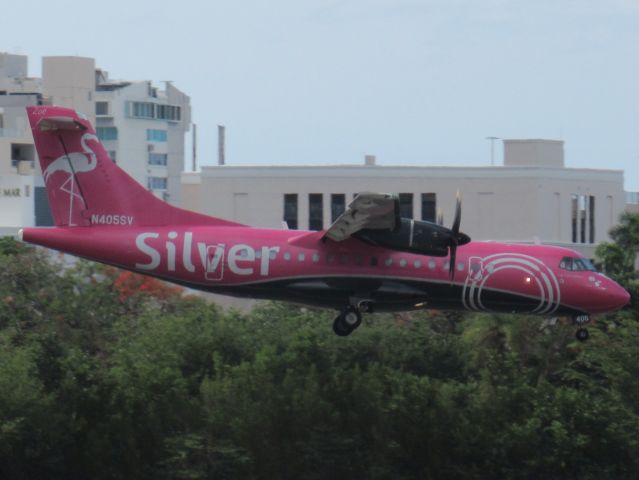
532	197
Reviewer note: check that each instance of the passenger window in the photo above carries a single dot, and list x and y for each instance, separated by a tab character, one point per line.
359	260
301	257
388	262
315	257
287	255
417	264
343	259
374	261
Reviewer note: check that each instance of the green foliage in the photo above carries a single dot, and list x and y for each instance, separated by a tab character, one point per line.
618	257
97	385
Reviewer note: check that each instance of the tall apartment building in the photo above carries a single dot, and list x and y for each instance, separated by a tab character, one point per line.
142	126
135	121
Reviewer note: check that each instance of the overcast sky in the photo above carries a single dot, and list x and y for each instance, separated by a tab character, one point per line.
328	81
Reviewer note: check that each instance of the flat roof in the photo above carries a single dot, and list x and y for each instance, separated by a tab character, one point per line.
483	172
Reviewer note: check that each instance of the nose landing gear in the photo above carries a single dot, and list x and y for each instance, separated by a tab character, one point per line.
582	333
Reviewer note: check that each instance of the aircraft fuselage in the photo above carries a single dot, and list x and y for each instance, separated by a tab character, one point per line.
298	266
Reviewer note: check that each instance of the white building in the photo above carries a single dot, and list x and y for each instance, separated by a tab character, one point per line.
138	121
532	197
142	126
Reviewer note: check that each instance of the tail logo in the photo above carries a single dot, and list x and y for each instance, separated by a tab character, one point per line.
74	162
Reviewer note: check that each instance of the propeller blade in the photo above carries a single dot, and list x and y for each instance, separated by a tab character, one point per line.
453	257
455	238
457	220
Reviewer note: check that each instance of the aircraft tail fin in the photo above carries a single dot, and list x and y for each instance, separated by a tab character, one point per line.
85	187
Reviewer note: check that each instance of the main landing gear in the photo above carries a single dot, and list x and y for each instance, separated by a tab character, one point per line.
350	318
582	333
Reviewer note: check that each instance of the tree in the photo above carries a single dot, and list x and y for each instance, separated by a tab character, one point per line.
618	258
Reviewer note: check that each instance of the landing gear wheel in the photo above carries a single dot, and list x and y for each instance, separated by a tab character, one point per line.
582	334
352	318
340	328
347	321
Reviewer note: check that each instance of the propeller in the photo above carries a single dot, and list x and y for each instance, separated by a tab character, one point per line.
456	238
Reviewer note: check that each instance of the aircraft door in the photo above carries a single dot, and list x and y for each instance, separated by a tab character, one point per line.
475	269
215	260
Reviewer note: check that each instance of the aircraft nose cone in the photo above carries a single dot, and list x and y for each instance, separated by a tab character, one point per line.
605	295
616	297
622	297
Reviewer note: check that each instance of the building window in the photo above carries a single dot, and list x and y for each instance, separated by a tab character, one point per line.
168	112
338	205
157	183
143	110
101	108
583	218
157	158
43	216
155	111
406	205
290	210
315	211
429	207
156	135
591	218
107	133
22	152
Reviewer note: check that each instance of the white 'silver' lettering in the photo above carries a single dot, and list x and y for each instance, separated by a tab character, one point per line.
150	251
241	259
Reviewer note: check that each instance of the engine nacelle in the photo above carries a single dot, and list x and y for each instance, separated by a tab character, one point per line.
414	236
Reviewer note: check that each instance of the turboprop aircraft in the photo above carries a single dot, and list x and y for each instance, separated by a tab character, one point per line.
370	259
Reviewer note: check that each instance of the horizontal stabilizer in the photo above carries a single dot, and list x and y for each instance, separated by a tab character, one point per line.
52	124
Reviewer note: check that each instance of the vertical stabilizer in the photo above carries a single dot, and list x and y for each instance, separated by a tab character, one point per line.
85	187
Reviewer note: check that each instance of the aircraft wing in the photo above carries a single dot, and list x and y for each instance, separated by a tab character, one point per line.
373	211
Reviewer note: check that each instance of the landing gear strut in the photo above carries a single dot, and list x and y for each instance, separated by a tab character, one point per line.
347	321
582	333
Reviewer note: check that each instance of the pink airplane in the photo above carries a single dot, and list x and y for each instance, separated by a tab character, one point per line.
370	259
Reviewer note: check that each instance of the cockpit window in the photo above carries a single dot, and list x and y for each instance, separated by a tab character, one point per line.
576	264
